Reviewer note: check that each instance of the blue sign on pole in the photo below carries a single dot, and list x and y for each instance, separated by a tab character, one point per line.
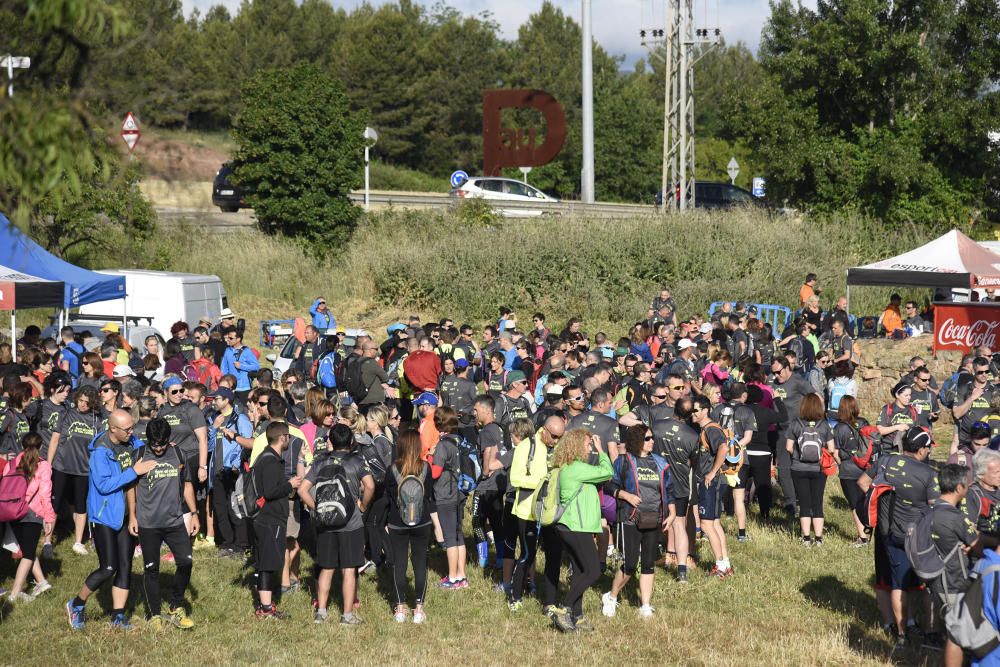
458	177
758	186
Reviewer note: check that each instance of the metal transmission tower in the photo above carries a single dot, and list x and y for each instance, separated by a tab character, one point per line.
677	184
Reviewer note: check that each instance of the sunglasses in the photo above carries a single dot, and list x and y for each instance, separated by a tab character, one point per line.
106	390
172	392
575	398
263	405
982	372
676	387
648	438
660	396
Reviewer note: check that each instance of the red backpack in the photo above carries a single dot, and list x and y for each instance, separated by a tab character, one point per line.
868	440
876	507
13	495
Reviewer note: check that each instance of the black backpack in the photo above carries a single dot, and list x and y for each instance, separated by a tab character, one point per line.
375	463
353	383
335	503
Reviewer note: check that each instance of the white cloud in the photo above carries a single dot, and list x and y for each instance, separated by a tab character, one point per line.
616	22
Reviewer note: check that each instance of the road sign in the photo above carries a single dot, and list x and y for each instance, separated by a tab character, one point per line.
16	62
458	177
758	186
525	171
733	169
130	131
371	135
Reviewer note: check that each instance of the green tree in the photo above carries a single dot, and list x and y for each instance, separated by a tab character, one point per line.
299	154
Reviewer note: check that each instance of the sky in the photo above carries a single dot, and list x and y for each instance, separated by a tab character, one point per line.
616	22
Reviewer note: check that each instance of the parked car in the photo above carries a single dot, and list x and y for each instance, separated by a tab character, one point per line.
225	195
709	194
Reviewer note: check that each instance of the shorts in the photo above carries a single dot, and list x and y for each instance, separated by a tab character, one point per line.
710	499
70	488
340	549
743	476
450	517
293	527
893	571
269	547
681	506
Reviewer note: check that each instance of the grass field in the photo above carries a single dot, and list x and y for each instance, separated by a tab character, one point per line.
786	605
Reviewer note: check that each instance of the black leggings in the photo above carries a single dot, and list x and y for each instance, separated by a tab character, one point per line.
809	488
414	541
586	567
552	544
528	536
27	535
72	488
177	539
376	538
852	492
760	471
114	556
638	542
488	506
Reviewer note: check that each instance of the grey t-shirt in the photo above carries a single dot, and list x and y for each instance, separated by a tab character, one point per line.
742	418
355	469
76	430
491	435
791	393
183	418
446	486
459	393
48	423
159	494
848	443
599	424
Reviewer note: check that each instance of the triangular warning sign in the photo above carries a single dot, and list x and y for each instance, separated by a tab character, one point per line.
131	139
130	125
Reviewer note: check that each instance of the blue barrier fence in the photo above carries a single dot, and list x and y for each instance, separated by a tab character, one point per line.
777	316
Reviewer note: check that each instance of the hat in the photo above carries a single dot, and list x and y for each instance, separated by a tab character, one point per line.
226	314
111	327
461	364
170	382
205	319
706	327
916	438
136	364
226	393
554	390
621	352
426	398
121	371
514	376
92	344
607	352
685	343
393	328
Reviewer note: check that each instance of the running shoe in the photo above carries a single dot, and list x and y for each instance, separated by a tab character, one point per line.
121	622
400	616
502	588
724	574
270	614
77	615
582	624
350	619
743	538
806	541
460	584
419	616
446	584
646	611
21	597
79	549
682	577
859	543
179	618
320	616
369	564
40	587
48	553
609	605
562	619
515	605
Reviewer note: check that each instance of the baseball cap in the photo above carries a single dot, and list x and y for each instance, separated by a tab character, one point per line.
514	376
393	328
121	371
685	343
554	390
226	393
706	327
426	398
461	364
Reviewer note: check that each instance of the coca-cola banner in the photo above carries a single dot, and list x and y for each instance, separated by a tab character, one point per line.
964	326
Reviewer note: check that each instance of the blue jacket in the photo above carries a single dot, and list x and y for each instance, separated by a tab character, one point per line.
239	422
992	614
110	473
624	479
322	321
248	362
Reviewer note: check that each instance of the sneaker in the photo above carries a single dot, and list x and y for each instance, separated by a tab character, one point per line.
818	542
859	543
419	616
77	616
515	605
447	584
547	610
562	619
79	549
460	584
320	616
806	541
646	611
582	624
728	572
609	605
48	553
178	616
40	587
502	588
21	597
291	587
743	538
350	619
120	622
900	641
682	577
156	624
400	616
714	572
369	564
272	614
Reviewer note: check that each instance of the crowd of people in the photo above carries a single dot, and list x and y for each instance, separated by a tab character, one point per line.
617	455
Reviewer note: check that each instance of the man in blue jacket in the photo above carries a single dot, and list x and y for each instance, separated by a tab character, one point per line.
322	318
112	474
239	361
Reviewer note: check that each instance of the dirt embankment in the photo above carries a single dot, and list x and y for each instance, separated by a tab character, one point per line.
175	160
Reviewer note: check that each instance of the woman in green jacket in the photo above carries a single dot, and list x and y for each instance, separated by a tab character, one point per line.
582	466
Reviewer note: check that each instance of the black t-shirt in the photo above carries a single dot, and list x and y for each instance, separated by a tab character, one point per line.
508	409
949	528
792	392
847	439
491	436
737	416
459	393
14	426
648	414
648	477
712	437
355	469
761	440
924	402
272	485
183	418
187	347
76	430
980	408
48	423
679	444
982	506
892	415
599	424
159	494
393	519
915	484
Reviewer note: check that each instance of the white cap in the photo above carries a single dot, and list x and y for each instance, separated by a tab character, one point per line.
122	371
685	343
706	327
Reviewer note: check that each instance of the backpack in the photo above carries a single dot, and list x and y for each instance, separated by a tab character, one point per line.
810	444
838	392
868	441
190	372
735	455
548	507
949	391
352	378
13	495
923	554
335	503
410	496
876	507
470	470
375	463
246	501
325	372
204	372
966	622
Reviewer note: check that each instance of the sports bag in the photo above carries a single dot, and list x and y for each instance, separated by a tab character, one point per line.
470	470
868	441
923	554
876	507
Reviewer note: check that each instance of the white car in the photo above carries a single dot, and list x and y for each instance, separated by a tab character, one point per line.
503	190
284	359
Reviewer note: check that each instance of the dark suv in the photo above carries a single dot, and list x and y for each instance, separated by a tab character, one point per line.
720	195
225	195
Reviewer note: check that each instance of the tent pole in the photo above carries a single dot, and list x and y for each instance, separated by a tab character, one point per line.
848	299
13	334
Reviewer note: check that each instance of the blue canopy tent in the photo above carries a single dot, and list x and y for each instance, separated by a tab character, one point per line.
19	252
